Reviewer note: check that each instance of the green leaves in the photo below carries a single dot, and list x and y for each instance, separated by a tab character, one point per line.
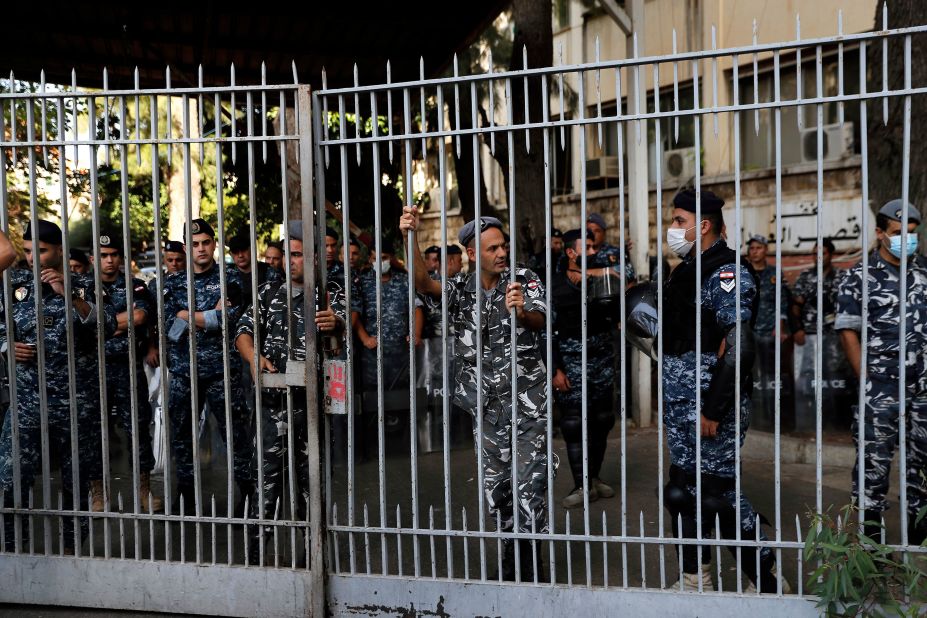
857	575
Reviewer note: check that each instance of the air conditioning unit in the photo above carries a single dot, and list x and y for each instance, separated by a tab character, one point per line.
679	164
602	167
838	142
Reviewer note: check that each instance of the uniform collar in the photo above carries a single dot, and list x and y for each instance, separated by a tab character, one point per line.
473	278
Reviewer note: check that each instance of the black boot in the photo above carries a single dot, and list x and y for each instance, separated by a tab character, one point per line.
531	561
245	493
507	574
187	492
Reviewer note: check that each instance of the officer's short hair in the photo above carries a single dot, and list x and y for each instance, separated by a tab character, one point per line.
716	219
828	244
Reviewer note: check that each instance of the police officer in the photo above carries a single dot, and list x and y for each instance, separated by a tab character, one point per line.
497	299
273	255
44	244
606	253
566	294
838	388
118	368
394	320
175	261
205	319
240	249
538	261
716	419
277	345
768	326
332	254
78	261
883	370
175	256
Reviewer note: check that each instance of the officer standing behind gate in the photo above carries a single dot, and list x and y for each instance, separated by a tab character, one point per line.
118	393
212	388
566	288
882	371
277	345
716	419
46	247
498	298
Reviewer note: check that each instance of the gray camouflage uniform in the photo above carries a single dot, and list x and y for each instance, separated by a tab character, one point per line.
882	375
277	344
496	390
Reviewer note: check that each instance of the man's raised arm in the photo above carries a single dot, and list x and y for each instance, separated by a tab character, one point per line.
423	283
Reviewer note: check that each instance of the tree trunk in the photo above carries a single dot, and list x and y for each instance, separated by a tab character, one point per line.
177	195
886	140
532	19
467	191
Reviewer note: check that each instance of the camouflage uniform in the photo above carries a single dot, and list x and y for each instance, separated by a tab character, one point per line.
610	255
838	388
496	389
209	369
395	323
118	370
276	345
430	355
681	419
22	307
599	371
882	375
764	371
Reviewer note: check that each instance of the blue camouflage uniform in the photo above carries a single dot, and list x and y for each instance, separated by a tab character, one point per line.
277	345
395	323
680	417
57	397
882	374
118	386
838	384
210	357
610	255
764	371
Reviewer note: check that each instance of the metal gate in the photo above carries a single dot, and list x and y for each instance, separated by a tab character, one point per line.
377	498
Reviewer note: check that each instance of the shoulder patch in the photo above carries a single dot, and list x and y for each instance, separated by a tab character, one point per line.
533	288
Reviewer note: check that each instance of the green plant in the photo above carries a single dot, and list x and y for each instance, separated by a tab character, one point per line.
855	575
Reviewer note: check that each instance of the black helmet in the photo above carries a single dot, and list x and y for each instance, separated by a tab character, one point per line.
641	319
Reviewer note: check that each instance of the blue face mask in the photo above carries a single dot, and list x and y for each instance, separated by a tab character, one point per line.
895	247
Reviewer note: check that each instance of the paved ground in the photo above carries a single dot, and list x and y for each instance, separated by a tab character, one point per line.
576	562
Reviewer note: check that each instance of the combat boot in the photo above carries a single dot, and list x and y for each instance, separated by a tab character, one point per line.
531	561
689	581
149	501
188	495
507	574
96	496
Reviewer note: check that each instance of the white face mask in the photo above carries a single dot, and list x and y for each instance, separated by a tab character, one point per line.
676	239
380	267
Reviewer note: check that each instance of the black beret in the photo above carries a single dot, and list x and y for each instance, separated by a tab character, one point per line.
454	250
240	241
330	231
468	232
571	236
387	246
686	200
354	242
110	240
432	249
78	256
48	232
199	226
556	233
174	246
